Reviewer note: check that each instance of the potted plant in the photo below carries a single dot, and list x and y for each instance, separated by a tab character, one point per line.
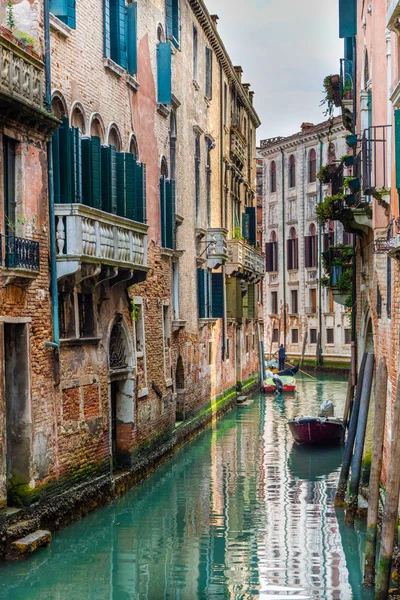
350	200
326	173
351	140
347	160
352	182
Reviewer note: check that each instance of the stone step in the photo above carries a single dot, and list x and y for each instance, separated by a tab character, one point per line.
20	529
25	546
241	399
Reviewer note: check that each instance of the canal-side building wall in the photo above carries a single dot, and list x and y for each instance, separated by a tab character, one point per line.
290	224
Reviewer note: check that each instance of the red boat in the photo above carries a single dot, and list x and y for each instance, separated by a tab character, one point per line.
321	431
289	385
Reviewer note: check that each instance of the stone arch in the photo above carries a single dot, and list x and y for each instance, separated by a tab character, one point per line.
160	33
366	337
120	344
133	146
96	126
114	137
59	105
164	167
78	117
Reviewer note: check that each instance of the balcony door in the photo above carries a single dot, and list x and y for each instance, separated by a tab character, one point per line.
9	152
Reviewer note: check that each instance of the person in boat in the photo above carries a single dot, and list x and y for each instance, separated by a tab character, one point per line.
276	379
281	356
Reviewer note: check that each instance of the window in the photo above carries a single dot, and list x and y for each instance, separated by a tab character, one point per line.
164	71
195	55
175	291
253	343
389	288
204	301
328	240
273	177
9	149
312	166
275	336
225	104
295	306
227	349
197	161
167	208
378	302
292	251
295	336
208	180
86	316
166	326
330	336
172	145
347	336
331	306
115	30
274	303
313	336
209	57
313	301
172	9
311	247
65	11
292	171
139	326
210	352
271	254
76	314
347	238
247	343
67	163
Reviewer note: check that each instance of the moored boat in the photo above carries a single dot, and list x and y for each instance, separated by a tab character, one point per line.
320	431
288	385
289	371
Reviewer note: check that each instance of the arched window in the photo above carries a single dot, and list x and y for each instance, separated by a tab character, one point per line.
78	119
292	250
197	161
59	106
97	127
133	147
273	177
311	247
312	166
114	138
292	171
271	254
172	144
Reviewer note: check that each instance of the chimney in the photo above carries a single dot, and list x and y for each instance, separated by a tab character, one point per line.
246	88
251	96
306	127
215	19
239	71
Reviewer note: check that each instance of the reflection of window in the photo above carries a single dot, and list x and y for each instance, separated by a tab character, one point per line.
313	336
329	336
295	336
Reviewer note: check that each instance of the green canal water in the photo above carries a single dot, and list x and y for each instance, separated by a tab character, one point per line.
238	513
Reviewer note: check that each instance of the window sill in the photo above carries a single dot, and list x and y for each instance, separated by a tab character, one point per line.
132	82
143	392
80	341
210	322
178	324
140	354
163	110
60	27
196	85
112	66
167	252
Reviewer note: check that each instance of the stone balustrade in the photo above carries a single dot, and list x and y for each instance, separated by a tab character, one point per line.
217	247
245	261
88	235
238	147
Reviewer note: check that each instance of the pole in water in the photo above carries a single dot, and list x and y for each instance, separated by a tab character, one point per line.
375	476
349	399
389	521
351	435
360	440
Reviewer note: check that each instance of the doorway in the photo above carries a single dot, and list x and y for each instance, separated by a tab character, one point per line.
17	409
114	400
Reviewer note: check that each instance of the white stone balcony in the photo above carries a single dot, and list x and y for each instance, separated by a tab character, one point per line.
217	247
238	147
392	14
87	235
245	261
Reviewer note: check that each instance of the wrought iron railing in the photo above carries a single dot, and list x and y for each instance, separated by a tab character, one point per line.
337	181
19	253
375	146
346	78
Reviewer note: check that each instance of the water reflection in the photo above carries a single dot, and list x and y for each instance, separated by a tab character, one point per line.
238	513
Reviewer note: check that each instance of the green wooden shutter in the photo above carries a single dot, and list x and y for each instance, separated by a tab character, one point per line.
130	166
201	293
245	226
176	22
108	179
131	37
251	212
122	31
164	73
96	171
163	211
107	28
65	156
91	172
169	19
118	31
397	144
250	301
121	183
347	18
71	14
64	10
55	146
217	286
140	193
170	214
245	304
76	165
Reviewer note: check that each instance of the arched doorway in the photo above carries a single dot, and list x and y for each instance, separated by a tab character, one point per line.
180	390
121	394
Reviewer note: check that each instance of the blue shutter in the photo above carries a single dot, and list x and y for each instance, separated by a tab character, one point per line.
201	293
122	160
65	157
131	38
76	165
109	179
107	28
347	18
169	18
245	226
252	214
59	8
397	145
176	22
122	31
71	14
163	212
170	214
118	30
140	192
55	146
217	285
164	73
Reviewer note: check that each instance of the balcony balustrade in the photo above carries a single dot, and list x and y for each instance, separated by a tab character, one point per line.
89	236
238	147
217	247
245	261
19	253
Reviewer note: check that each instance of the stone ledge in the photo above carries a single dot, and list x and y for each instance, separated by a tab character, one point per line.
22	548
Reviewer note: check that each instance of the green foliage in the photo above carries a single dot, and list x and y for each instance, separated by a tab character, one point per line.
345	157
329	208
327	100
322	173
25	38
135	309
236	235
10	15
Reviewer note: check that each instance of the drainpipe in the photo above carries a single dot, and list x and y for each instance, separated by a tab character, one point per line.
283	249
320	360
354	260
221	192
53	266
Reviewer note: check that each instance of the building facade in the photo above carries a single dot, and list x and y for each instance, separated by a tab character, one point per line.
299	310
153	174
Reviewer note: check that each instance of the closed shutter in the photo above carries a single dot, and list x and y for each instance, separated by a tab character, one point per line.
139	213
109	179
164	72
269	257
347	18
250	301
275	256
296	253
169	18
208	73
217	285
55	146
107	28
389	288
91	172
65	11
76	165
397	143
307	251
245	226
204	293
176	22
65	156
71	14
163	214
124	163
289	245
131	37
245	303
170	214
251	212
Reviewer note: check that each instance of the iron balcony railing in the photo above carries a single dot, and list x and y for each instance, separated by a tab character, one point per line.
337	181
374	149
19	253
346	78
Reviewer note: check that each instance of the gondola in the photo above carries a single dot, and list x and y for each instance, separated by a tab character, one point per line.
319	431
289	371
289	385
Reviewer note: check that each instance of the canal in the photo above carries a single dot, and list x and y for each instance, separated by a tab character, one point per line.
238	513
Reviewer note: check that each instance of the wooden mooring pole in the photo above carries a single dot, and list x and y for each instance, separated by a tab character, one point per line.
356	462
375	476
389	521
351	435
349	400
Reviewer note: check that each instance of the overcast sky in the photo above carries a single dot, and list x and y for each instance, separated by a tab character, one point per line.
286	48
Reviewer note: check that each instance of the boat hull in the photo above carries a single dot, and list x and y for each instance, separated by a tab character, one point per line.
289	385
317	431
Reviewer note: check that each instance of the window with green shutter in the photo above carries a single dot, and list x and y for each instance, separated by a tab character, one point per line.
65	11
172	10
245	226
131	37
67	164
164	73
347	18
125	183
91	172
204	293
170	214
163	209
208	73
139	207
109	179
115	31
252	217
217	290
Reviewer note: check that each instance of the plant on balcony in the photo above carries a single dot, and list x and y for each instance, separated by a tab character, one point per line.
348	90
351	140
326	173
236	235
347	160
328	99
378	194
351	182
10	16
340	259
25	39
329	209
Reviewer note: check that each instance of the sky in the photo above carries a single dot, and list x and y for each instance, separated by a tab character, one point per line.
286	48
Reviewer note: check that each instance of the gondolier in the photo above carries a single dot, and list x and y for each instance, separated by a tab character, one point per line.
281	356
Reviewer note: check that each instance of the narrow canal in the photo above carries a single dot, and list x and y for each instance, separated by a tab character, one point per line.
238	513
